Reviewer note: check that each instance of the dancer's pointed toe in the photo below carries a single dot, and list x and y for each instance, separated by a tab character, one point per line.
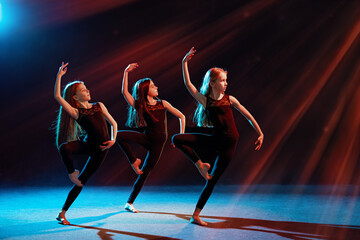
74	178
136	166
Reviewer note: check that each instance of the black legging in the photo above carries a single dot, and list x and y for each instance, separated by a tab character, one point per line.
154	145
96	157
189	143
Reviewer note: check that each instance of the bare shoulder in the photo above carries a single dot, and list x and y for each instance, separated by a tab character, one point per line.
166	104
233	100
102	106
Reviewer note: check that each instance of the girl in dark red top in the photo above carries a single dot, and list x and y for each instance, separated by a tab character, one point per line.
149	112
213	110
76	115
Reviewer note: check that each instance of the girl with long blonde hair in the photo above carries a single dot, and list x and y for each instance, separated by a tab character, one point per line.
76	117
213	110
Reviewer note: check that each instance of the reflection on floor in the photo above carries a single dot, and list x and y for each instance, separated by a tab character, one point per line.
233	212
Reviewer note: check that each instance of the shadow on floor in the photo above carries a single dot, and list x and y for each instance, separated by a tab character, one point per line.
291	230
105	234
285	229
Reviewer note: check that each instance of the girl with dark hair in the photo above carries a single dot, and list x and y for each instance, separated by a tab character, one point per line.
77	115
213	110
146	111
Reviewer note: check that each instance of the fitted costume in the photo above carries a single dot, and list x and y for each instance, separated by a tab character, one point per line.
153	139
223	139
91	120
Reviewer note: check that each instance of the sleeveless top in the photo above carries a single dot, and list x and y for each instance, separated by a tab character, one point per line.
156	121
92	120
220	114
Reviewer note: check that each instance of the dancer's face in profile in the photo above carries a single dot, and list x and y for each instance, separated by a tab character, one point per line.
153	90
82	93
220	83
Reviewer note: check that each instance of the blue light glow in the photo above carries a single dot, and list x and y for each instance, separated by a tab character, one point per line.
0	12
9	15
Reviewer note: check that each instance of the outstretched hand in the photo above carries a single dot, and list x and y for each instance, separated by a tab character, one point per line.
259	142
107	145
189	55
63	69
131	67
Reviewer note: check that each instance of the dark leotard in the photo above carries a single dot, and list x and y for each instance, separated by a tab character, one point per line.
156	122
223	140
92	120
153	139
221	116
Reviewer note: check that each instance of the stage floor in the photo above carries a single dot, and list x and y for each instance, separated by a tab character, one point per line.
233	212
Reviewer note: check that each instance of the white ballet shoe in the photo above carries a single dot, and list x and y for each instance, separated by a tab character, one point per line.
74	178
129	207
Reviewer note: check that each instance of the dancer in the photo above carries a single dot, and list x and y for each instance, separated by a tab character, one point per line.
75	115
213	110
148	111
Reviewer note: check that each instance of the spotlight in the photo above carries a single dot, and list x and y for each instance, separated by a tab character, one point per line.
0	12
8	17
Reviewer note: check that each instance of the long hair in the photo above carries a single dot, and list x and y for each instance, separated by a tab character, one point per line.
67	128
139	92
200	117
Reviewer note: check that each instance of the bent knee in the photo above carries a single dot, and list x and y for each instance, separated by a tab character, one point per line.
176	139
65	149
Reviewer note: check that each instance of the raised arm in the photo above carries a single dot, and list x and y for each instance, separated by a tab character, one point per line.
190	87
125	84
177	114
236	104
114	128
73	112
